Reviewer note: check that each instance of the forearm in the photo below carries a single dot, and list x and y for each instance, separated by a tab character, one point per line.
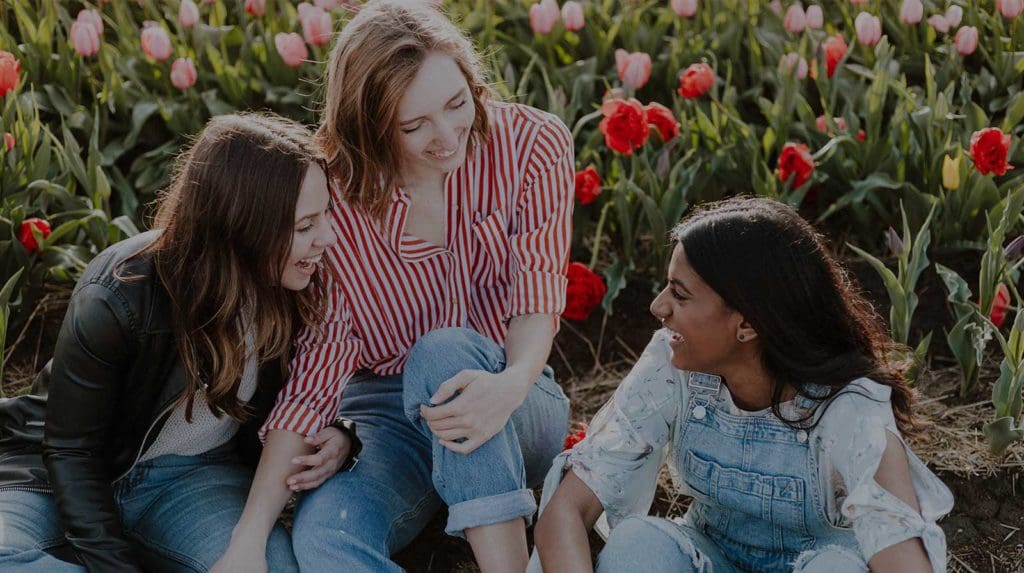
904	557
269	491
528	345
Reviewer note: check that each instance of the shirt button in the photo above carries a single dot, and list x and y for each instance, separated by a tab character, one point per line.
801	436
699	412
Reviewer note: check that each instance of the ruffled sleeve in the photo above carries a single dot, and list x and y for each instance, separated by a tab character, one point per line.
853	440
626	443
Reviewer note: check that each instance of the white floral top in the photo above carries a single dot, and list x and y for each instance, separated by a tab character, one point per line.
631	436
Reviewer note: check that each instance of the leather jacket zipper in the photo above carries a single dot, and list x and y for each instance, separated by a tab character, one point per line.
145	439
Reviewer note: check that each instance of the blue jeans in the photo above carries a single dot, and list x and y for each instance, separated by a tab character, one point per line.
179	511
654	544
357	519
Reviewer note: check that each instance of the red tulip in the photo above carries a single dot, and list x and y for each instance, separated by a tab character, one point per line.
576	435
583	293
259	7
634	68
663	120
835	50
8	141
989	149
625	126
999	305
588	185
795	161
696	81
27	238
10	72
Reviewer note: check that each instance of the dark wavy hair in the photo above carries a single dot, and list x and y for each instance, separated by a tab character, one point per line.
813	324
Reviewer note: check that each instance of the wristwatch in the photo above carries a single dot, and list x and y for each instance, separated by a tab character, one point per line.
348	427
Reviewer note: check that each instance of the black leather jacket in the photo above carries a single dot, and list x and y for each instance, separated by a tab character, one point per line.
112	382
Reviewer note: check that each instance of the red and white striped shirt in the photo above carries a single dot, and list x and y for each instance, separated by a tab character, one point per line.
509	231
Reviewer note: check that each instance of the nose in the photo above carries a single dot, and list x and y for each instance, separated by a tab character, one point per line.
327	237
447	135
659	306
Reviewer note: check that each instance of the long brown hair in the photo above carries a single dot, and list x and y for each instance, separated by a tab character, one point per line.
814	326
374	60
227	222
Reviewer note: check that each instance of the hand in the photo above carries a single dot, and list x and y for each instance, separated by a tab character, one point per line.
333	447
242	558
483	406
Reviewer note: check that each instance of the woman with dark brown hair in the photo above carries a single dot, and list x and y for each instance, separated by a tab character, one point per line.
170	356
770	394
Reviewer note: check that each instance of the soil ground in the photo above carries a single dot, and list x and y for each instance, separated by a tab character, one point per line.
985	531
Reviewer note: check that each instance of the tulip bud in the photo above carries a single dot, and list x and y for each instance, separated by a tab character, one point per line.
543	16
950	173
953	15
155	41
796	19
869	29
8	141
572	16
291	48
1010	9
634	68
188	13
794	64
966	40
84	39
939	23
895	242
26	235
1013	251
815	17
776	6
183	73
911	12
10	72
259	7
684	8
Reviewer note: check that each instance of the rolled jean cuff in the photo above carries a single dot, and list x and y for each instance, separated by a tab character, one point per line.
490	510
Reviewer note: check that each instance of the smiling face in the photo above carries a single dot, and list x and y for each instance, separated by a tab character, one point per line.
705	330
312	234
435	117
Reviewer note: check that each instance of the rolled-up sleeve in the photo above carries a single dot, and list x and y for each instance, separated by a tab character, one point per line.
325	359
629	437
542	228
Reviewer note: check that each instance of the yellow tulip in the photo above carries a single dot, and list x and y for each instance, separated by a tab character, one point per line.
950	173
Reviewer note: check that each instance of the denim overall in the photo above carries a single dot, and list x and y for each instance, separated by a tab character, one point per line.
755	484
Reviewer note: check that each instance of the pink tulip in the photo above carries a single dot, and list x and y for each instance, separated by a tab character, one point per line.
796	19
939	22
684	8
572	16
858	2
966	40
776	6
155	41
543	16
911	12
188	13
869	29
93	18
255	7
291	48
815	17
316	24
183	73
634	69
793	63
953	15
84	39
1010	9
8	141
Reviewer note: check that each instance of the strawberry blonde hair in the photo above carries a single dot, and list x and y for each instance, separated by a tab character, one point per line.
374	60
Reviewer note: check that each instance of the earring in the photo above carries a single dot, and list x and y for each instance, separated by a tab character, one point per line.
741	338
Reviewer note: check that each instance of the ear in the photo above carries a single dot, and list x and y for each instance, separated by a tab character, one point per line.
745	332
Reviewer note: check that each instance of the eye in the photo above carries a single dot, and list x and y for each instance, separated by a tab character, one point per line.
460	104
305	228
676	295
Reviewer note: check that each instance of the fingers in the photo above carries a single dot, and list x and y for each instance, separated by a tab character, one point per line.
308	479
466	447
323	436
449	387
450	435
310	460
450	423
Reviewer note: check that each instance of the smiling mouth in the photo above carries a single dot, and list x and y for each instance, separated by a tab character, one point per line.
442	154
310	262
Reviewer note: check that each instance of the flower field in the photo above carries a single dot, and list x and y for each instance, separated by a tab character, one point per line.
894	126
